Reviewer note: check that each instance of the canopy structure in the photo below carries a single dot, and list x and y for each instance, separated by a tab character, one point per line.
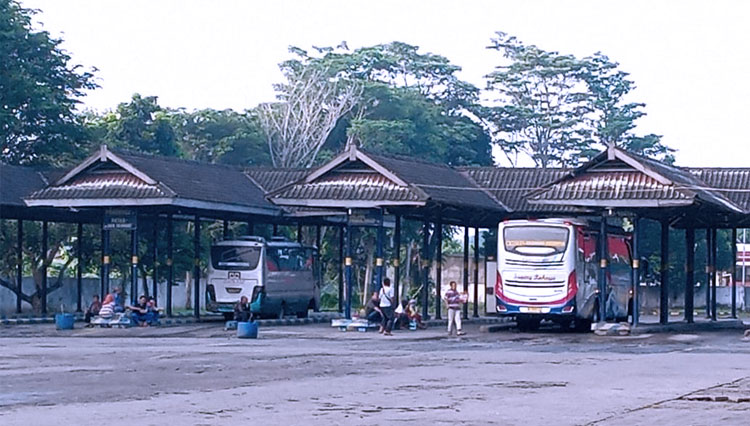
615	182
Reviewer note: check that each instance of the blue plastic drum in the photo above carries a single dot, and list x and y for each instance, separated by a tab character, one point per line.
64	321
247	330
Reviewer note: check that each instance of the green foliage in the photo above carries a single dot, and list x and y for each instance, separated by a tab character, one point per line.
560	110
39	89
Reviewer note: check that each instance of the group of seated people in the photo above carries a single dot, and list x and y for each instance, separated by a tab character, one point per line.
144	313
404	314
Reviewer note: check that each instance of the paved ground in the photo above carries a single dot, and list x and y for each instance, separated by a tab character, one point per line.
312	374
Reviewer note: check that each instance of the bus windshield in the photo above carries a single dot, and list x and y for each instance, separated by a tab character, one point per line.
230	258
289	259
536	240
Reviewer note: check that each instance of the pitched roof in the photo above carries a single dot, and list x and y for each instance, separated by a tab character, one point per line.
512	185
121	178
616	178
16	182
357	178
270	178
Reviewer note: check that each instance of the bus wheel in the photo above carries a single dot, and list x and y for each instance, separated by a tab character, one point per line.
528	324
582	325
280	314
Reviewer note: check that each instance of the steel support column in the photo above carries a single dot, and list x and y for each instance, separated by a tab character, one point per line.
170	264
250	227
664	269
106	260
45	249
476	272
379	254
348	267
155	264
19	266
734	272
79	267
197	267
225	229
465	308
438	268
342	267
397	259
709	244
714	255
275	231
133	266
689	273
299	233
603	264
425	270
636	278
318	238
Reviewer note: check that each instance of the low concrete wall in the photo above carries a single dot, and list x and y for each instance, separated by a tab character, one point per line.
66	295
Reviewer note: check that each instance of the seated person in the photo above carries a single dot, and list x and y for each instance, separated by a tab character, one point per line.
93	309
372	309
138	312
414	315
152	312
401	316
119	305
107	310
242	310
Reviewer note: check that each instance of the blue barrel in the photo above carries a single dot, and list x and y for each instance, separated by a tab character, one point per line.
247	330
64	321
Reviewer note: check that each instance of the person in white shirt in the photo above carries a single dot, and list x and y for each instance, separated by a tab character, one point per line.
386	306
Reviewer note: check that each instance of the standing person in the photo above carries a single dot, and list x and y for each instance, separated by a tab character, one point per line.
386	307
454	300
93	309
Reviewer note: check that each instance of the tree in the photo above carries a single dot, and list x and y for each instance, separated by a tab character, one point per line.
140	125
544	103
226	137
312	101
559	109
612	119
39	91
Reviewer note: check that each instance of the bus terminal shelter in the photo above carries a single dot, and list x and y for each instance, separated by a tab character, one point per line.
117	190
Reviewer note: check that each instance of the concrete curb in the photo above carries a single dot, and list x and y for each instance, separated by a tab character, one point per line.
683	327
185	320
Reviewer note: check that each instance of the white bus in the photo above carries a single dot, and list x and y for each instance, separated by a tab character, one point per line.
287	272
547	269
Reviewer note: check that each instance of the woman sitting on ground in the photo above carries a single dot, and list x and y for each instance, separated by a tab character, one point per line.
414	315
107	310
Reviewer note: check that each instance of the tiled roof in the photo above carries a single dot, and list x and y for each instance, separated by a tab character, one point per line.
441	183
510	186
270	179
103	184
16	182
732	183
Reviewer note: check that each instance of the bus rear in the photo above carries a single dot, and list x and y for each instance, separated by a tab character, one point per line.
235	270
536	274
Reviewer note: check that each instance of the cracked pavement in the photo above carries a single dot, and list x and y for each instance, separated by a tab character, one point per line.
313	374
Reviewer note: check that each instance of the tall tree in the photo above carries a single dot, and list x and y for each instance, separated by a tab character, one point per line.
311	102
543	104
140	125
611	118
39	90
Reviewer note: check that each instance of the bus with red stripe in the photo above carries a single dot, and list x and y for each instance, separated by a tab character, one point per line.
548	269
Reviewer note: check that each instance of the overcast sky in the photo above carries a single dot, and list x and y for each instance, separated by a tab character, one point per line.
689	59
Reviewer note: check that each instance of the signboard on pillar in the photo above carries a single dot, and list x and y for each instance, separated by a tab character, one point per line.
120	219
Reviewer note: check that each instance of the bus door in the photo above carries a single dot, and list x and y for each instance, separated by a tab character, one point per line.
586	271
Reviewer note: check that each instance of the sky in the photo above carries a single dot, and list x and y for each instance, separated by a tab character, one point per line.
689	59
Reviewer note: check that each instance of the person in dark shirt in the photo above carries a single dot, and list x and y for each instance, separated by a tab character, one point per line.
93	309
152	312
242	310
372	309
139	311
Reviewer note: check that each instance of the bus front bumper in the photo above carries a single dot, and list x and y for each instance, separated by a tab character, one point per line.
507	309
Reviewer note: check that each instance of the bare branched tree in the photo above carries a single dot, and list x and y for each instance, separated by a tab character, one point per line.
311	103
